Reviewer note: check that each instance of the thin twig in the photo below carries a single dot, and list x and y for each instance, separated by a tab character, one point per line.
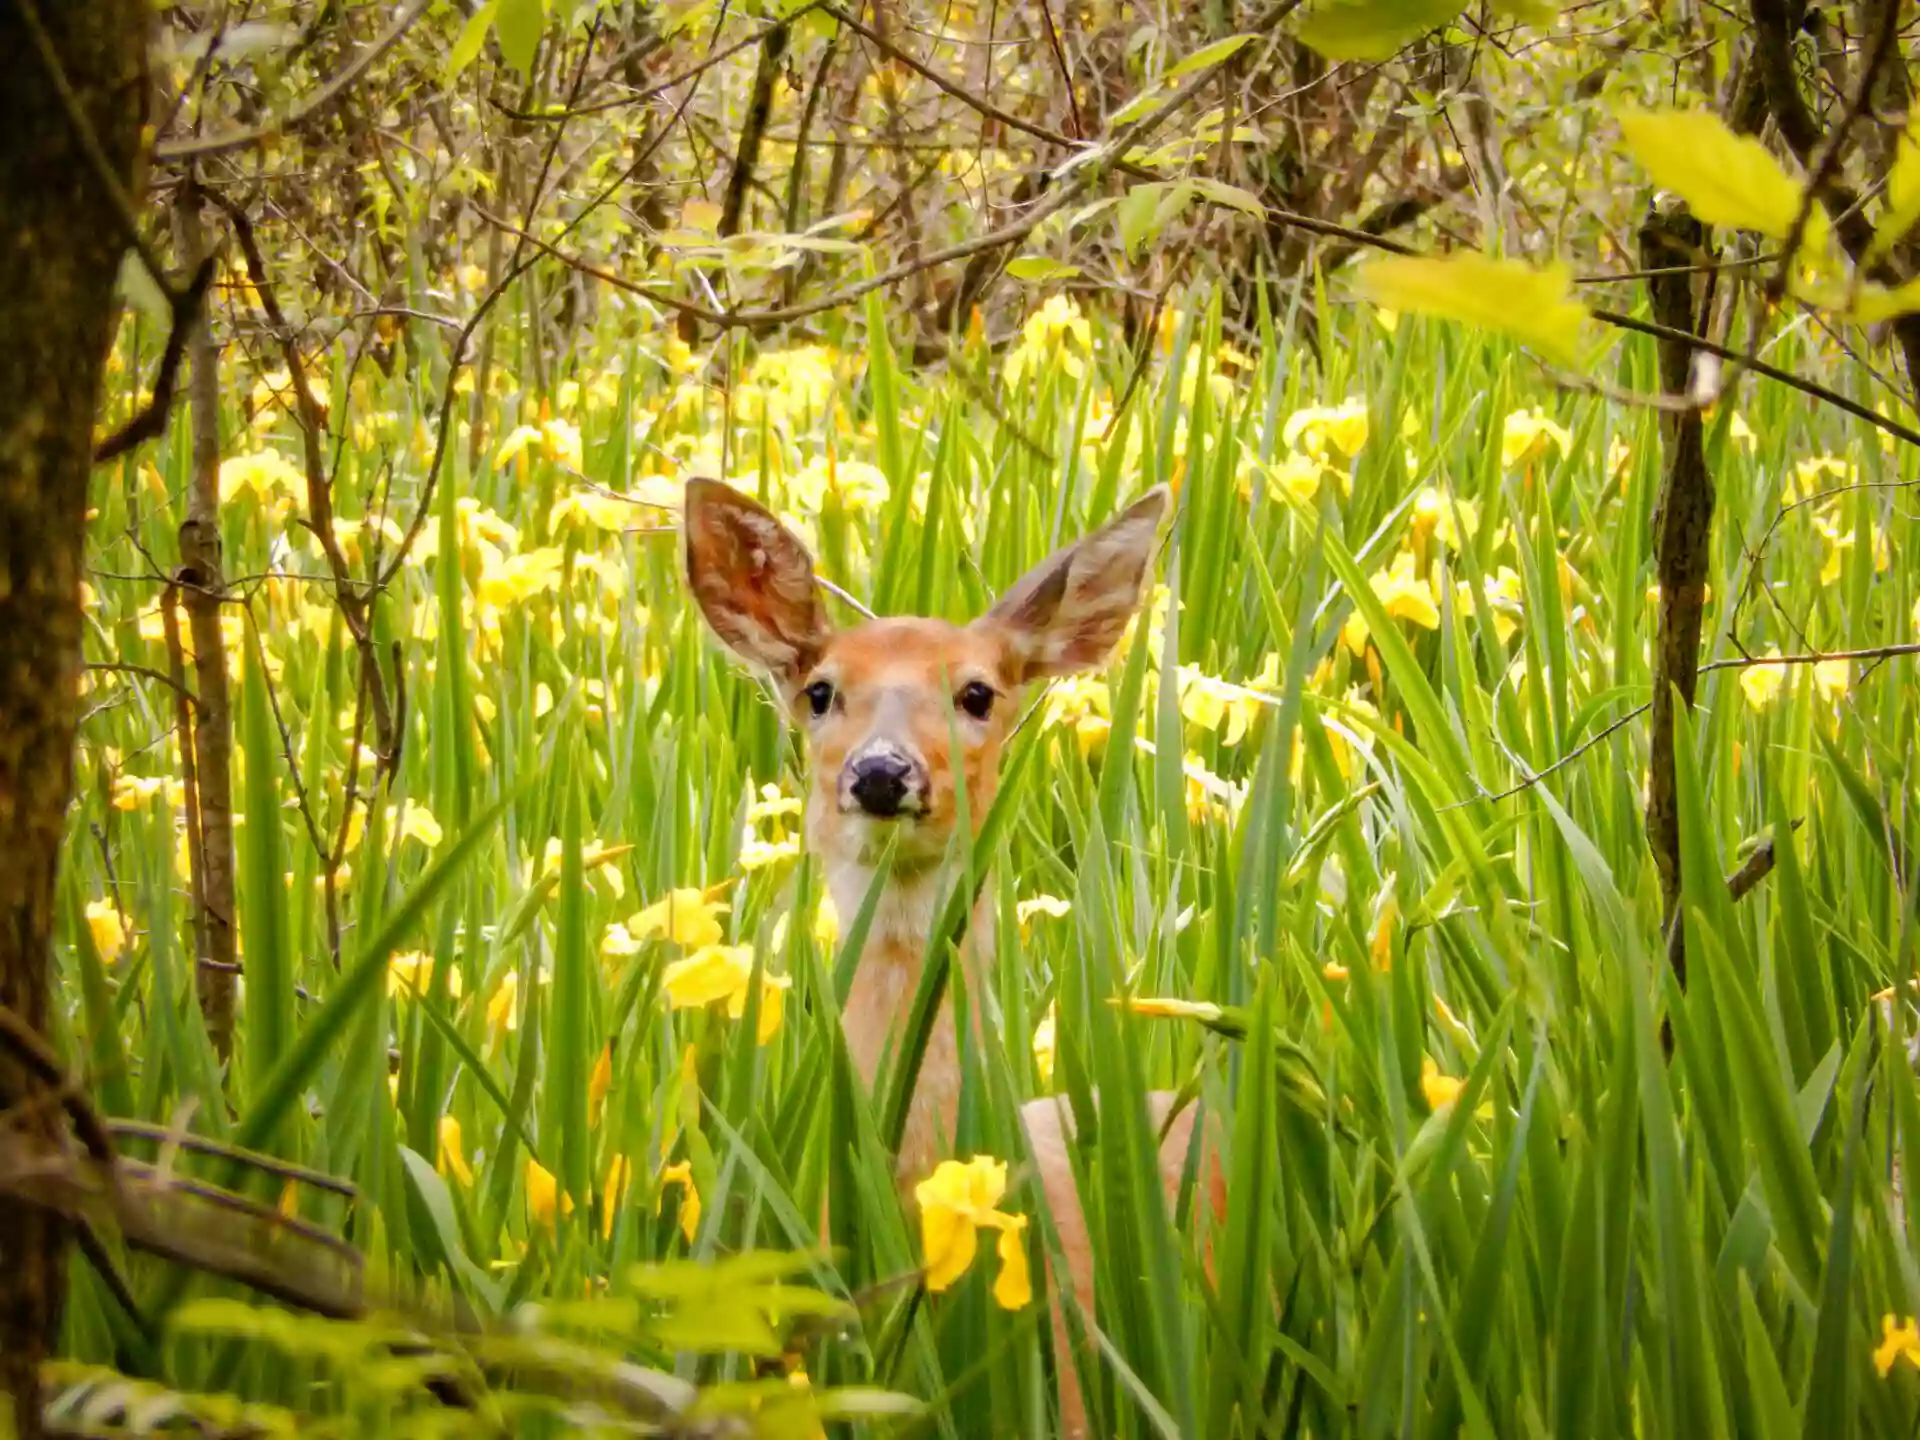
171	1136
1811	657
692	72
1761	367
940	82
1831	153
121	667
1085	163
300	114
286	738
151	422
183	715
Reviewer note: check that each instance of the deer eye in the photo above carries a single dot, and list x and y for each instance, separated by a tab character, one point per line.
819	696
976	698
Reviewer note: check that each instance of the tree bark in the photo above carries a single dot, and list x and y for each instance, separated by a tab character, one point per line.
71	110
746	155
203	584
1682	527
1774	25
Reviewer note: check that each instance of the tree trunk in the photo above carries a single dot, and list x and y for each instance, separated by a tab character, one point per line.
62	234
203	584
1682	525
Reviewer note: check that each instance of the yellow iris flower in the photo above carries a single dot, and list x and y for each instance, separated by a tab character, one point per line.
1051	906
1761	684
131	792
1529	434
957	1201
1320	428
109	931
411	972
451	1157
724	972
689	917
681	1175
1043	1046
1440	1090
545	1203
1900	1339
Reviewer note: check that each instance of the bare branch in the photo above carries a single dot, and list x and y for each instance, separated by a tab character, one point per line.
198	147
151	422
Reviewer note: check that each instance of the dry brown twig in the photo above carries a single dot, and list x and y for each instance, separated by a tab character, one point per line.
203	146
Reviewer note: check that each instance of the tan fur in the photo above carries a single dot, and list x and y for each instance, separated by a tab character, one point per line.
895	682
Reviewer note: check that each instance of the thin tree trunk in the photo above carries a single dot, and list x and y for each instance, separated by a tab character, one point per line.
483	367
203	584
71	109
746	154
1682	527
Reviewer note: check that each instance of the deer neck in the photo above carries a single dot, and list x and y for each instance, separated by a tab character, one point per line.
884	984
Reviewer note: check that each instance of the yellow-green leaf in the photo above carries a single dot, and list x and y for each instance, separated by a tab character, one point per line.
1232	196
472	36
1147	210
1208	55
518	28
1372	29
1135	108
1875	303
1903	193
701	215
1726	179
1534	306
1036	268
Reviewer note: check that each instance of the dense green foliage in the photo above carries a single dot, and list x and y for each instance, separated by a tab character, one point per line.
537	1099
1416	600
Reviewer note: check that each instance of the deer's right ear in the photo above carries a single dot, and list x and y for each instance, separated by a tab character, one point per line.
1069	611
753	580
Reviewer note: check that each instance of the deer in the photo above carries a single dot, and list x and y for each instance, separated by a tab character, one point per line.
902	716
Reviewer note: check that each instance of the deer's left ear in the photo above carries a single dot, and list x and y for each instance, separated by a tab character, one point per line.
753	580
1069	611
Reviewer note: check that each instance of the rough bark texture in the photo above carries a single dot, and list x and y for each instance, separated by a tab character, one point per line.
746	157
1682	524
61	239
1775	23
203	584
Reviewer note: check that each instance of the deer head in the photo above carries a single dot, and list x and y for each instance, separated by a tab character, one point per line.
901	713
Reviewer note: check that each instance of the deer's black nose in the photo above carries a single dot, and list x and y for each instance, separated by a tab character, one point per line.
881	783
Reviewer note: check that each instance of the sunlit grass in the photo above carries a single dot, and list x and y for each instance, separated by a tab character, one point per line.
1465	1188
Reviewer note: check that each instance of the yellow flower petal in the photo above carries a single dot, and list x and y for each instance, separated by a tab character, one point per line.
1013	1287
109	931
682	1175
1406	594
948	1242
1761	684
544	1200
613	1192
1166	1008
452	1156
131	792
1902	1338
685	916
713	972
599	1083
773	990
1043	1047
1439	1090
1832	677
1381	950
1050	906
